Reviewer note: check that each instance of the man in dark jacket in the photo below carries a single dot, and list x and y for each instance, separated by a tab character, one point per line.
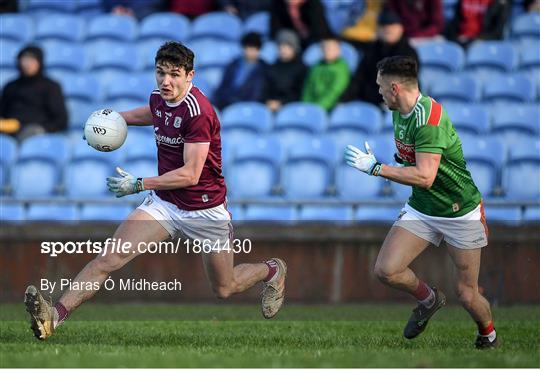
285	78
391	41
34	100
243	79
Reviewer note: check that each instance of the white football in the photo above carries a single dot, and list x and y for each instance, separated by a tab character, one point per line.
105	130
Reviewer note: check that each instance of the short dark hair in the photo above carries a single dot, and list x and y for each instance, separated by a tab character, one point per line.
252	39
175	54
401	66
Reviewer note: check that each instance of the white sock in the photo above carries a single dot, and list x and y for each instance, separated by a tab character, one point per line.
56	317
491	336
430	300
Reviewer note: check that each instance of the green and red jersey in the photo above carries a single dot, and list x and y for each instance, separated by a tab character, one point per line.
428	129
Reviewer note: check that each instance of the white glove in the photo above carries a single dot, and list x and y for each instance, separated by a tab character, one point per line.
365	162
125	184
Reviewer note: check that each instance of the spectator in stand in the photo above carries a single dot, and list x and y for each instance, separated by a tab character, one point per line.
478	19
341	14
244	8
422	19
391	41
243	79
32	103
192	9
305	17
364	29
285	78
531	5
134	8
329	78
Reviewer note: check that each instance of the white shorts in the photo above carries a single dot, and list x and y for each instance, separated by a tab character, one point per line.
465	232
211	225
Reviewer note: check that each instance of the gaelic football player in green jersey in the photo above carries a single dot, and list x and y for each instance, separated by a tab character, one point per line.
445	203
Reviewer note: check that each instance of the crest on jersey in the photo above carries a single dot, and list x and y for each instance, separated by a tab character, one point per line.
177	122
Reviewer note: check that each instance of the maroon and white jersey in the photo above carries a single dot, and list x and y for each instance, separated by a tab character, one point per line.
191	120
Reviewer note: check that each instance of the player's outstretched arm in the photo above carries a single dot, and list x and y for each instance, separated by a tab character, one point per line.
422	174
141	116
188	175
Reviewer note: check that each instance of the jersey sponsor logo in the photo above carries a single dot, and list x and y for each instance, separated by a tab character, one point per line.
177	122
406	151
167	140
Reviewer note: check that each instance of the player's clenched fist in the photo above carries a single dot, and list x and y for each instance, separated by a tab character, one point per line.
125	184
365	162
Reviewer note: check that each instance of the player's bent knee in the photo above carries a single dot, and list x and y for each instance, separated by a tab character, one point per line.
466	295
385	275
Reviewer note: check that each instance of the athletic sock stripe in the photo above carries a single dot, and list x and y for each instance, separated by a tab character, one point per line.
435	114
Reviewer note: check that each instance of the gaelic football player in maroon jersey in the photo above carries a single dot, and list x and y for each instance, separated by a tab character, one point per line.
188	197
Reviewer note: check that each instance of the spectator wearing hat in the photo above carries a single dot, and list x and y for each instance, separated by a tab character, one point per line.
328	79
243	78
285	78
390	41
32	103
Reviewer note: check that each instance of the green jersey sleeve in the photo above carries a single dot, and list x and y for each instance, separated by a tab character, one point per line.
431	139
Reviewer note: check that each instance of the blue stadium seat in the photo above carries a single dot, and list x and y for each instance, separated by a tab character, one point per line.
383	146
313	160
273	213
258	22
510	215
214	53
305	116
212	76
400	192
65	56
254	171
484	157
509	89
50	147
139	146
532	214
313	54
8	149
11	212
63	27
326	213
527	26
354	186
269	52
513	122
142	167
523	159
132	86
78	113
237	212
468	118
79	185
204	86
83	88
52	212
491	56
147	49
212	25
89	8
104	212
441	56
169	26
356	116
119	56
16	27
387	125
530	56
121	105
49	6
25	173
7	75
112	27
344	137
8	56
460	88
250	116
371	214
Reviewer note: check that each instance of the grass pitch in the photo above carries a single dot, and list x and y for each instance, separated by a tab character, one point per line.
223	335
